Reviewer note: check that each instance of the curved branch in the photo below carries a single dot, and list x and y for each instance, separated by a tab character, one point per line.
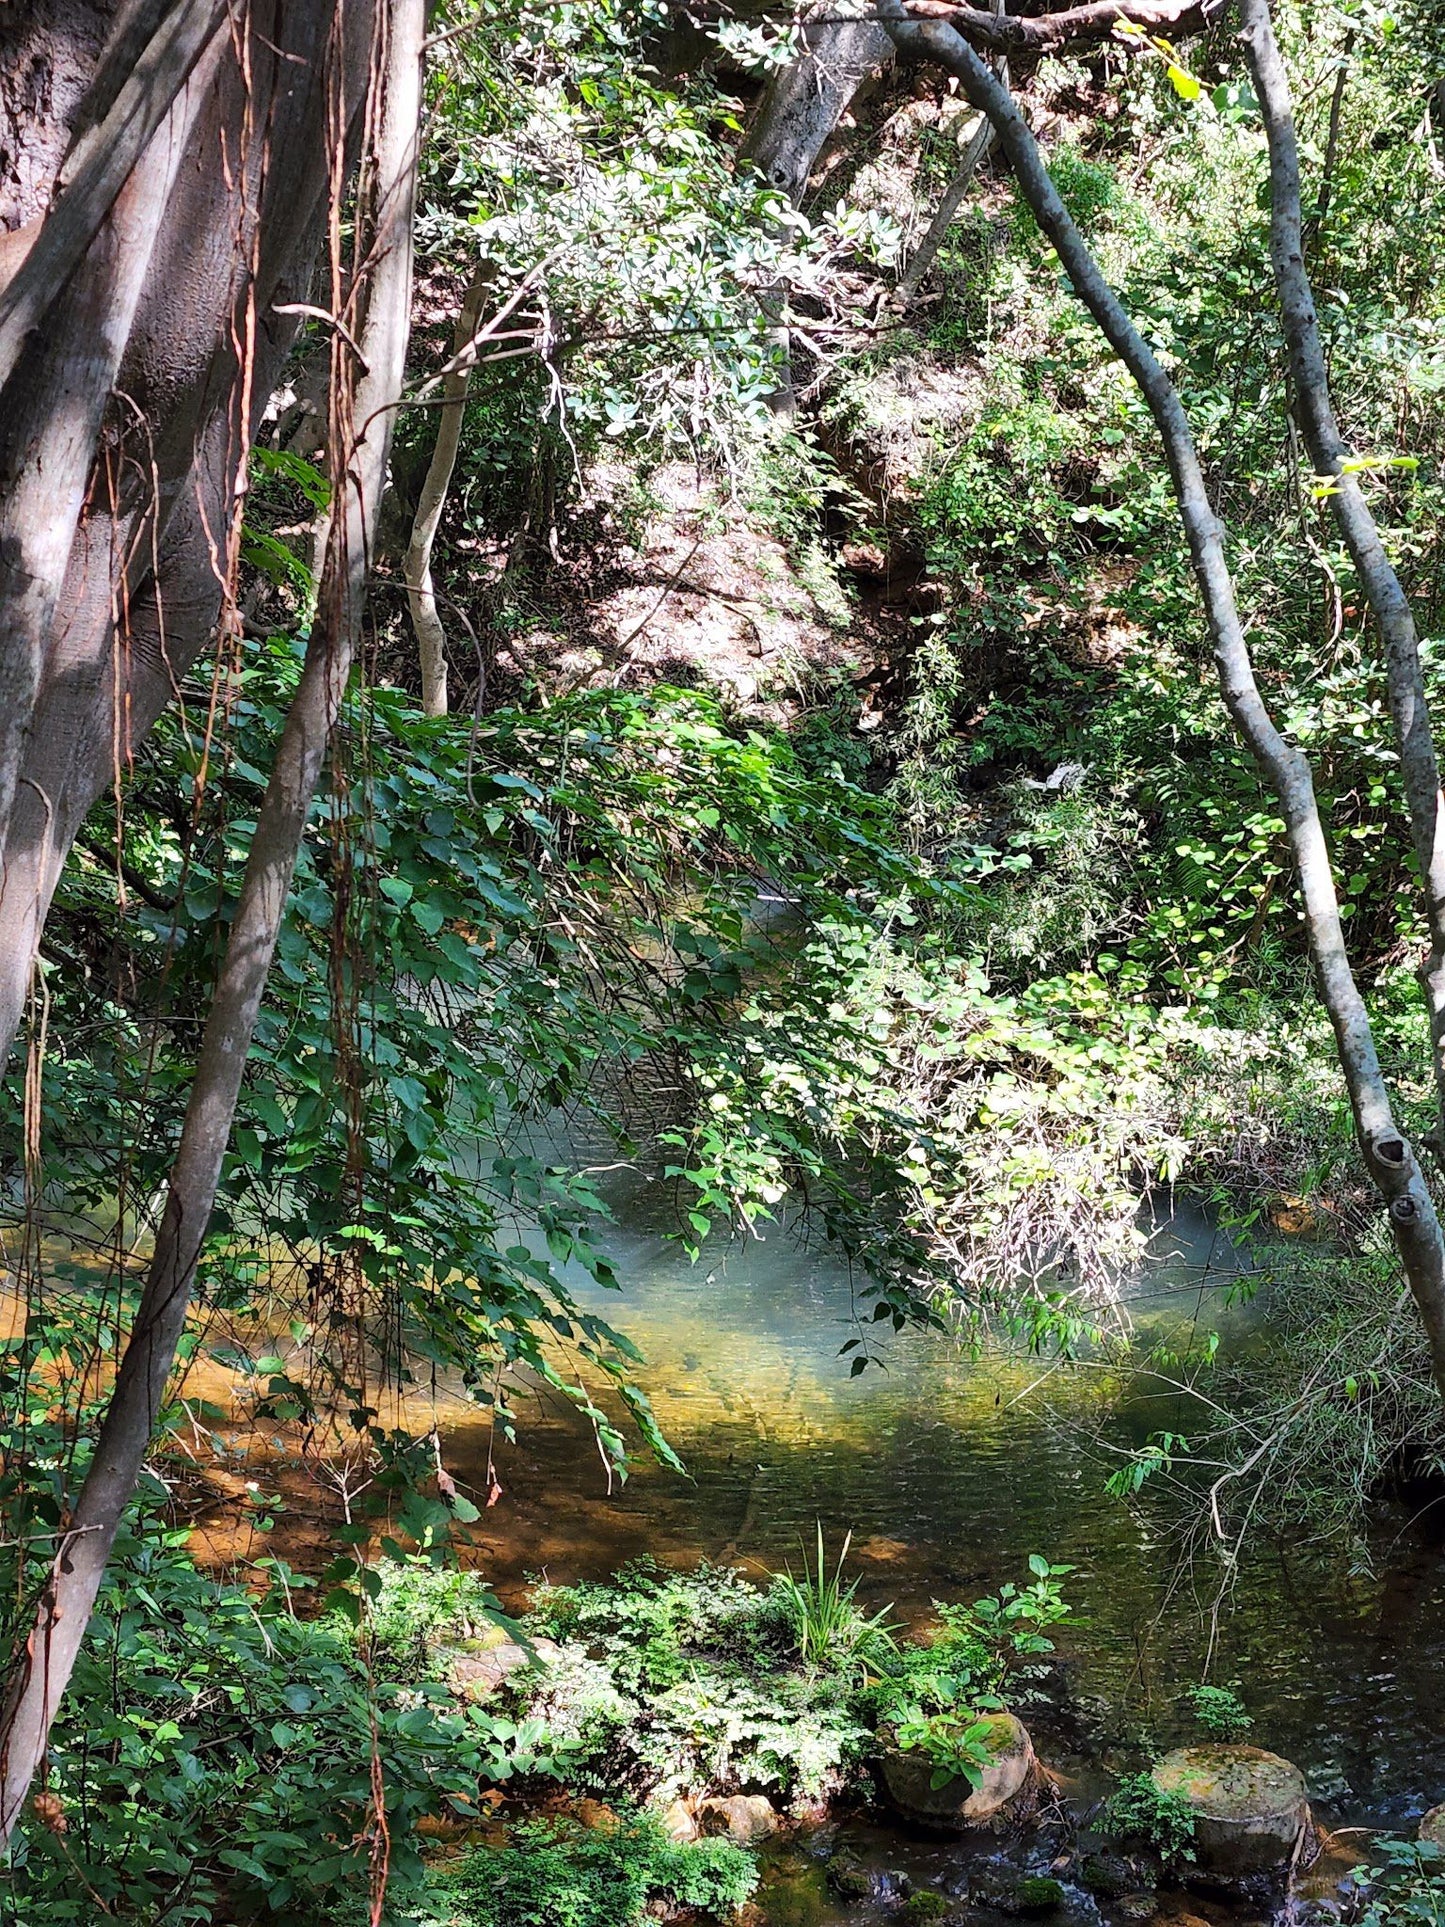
431	636
1044	33
1387	1154
1333	456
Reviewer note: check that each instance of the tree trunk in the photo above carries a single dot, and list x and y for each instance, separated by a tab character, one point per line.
431	635
1387	1154
926	253
1332	457
180	281
362	420
804	101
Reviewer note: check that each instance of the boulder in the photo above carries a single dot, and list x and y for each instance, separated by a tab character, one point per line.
744	1817
1432	1828
476	1670
1251	1810
1009	1776
677	1821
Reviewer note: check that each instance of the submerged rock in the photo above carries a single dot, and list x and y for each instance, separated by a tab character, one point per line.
1036	1895
1007	1780
1251	1810
744	1817
849	1878
1135	1908
1111	1876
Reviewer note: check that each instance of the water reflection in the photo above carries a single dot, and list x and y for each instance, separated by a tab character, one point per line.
950	1471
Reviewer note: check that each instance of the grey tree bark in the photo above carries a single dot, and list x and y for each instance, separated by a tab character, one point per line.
926	253
804	101
140	389
431	635
1387	1154
378	307
1332	456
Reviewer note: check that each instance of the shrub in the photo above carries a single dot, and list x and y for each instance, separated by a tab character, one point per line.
559	1874
1220	1711
215	1758
1404	1885
421	1602
1138	1810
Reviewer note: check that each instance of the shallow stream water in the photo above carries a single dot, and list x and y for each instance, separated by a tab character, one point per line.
949	1471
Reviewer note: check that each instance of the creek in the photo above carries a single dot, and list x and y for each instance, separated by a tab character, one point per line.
949	1470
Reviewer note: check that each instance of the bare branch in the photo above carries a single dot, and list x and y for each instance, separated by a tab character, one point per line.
420	590
1334	459
1387	1154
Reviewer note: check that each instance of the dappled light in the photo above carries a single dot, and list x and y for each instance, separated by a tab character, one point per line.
722	963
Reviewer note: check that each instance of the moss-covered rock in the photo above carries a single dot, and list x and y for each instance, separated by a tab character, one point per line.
1006	1780
1251	1810
1036	1895
924	1908
849	1878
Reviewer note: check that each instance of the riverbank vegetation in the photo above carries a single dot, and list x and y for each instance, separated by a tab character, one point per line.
784	745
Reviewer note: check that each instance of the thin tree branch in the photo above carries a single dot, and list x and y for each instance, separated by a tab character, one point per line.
421	598
1387	1154
1336	460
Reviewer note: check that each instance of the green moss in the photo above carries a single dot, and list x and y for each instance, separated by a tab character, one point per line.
923	1907
1038	1895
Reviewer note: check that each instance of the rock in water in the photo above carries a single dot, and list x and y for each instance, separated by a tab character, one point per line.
1251	1810
1007	1779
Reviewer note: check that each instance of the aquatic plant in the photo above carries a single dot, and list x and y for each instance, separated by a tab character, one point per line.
923	1908
1038	1894
977	1650
1220	1711
1138	1810
956	1746
828	1624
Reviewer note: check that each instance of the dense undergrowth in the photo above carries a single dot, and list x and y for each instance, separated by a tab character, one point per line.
221	1757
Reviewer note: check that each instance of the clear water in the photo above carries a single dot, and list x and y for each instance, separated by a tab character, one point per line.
949	1471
